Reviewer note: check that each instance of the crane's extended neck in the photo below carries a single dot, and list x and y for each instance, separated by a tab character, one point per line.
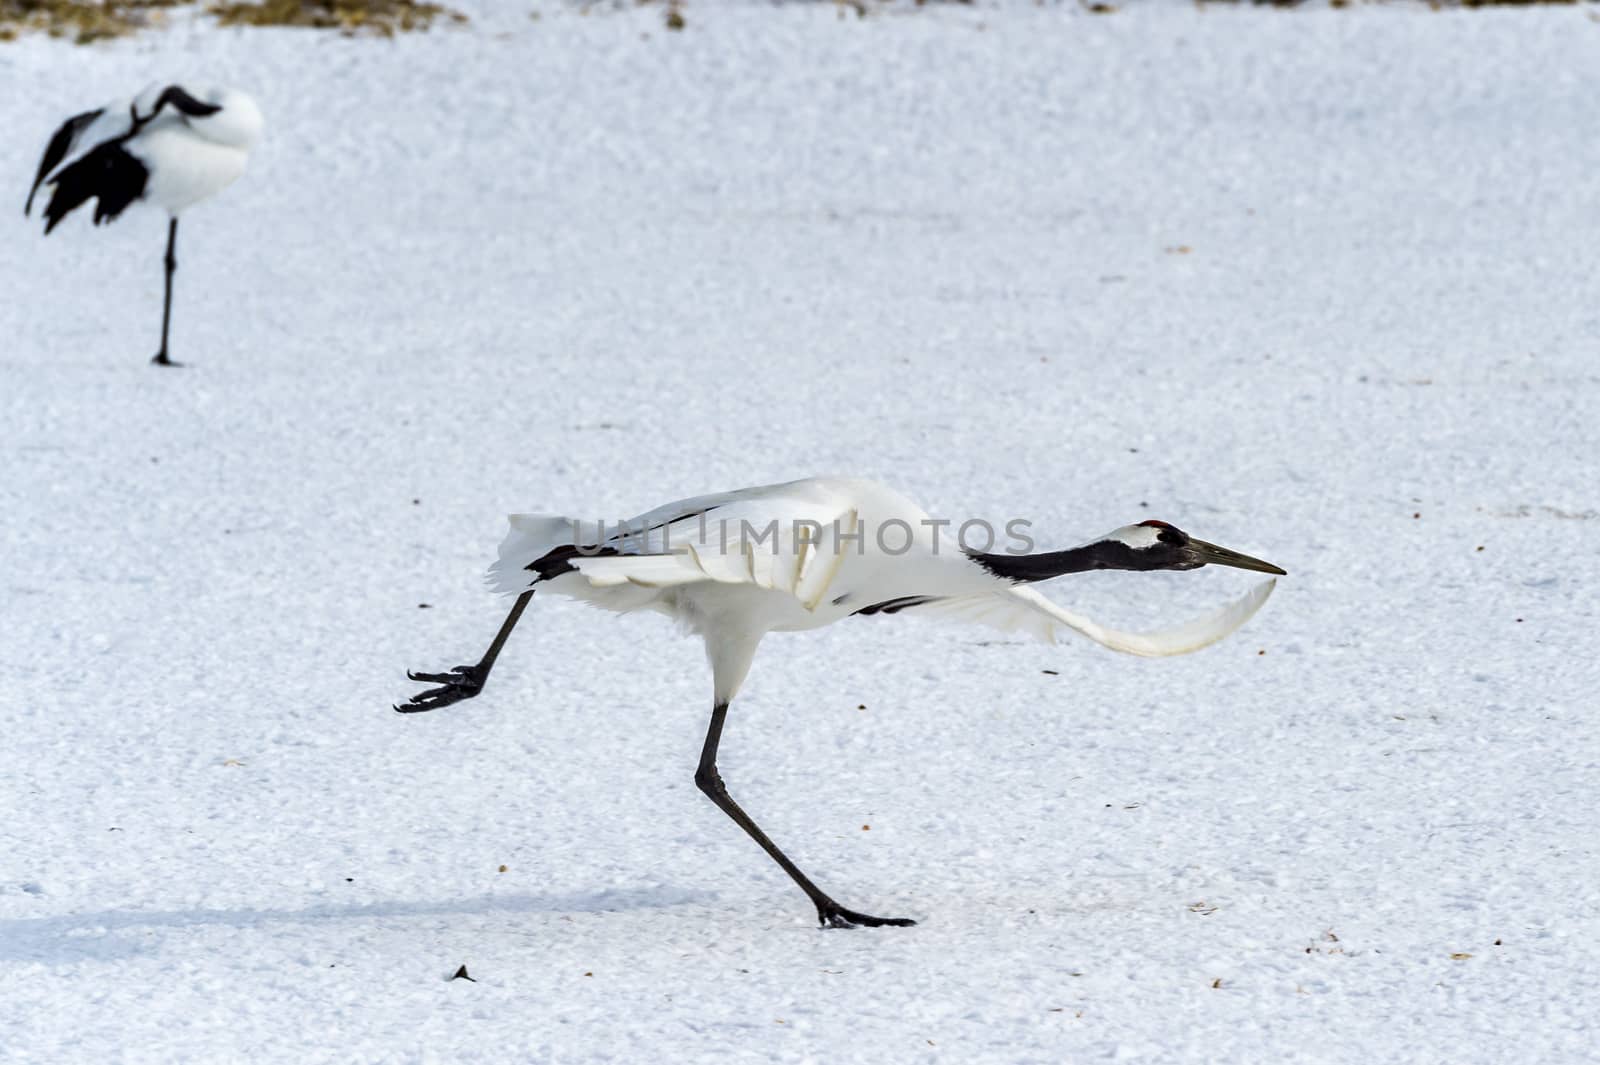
1149	545
1102	554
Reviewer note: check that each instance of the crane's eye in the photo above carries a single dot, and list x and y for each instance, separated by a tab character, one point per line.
1167	533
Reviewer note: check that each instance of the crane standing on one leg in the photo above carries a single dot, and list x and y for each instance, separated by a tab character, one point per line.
166	146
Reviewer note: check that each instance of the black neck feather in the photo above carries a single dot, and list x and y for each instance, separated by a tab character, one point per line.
1103	554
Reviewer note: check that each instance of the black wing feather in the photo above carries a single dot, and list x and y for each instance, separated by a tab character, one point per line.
558	560
57	149
108	175
894	606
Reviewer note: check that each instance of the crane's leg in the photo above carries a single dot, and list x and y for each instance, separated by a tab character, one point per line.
829	913
171	262
463	682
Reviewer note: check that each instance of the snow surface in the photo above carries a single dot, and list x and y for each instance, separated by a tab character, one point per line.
1317	285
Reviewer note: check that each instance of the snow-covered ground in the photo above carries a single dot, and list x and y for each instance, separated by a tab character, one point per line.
1319	285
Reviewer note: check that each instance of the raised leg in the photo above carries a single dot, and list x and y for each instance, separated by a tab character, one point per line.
171	262
829	913
463	682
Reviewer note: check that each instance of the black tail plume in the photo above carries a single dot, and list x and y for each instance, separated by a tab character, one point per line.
108	175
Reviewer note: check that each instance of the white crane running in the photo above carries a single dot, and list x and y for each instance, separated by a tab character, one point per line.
165	146
736	566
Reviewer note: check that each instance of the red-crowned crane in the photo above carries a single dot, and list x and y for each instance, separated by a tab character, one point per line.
780	558
167	146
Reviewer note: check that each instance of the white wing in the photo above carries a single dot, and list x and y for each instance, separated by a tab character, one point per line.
1022	609
799	561
783	538
112	121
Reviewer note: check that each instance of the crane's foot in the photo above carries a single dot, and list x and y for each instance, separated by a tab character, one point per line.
462	682
161	359
832	915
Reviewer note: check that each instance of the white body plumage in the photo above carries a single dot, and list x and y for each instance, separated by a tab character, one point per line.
736	566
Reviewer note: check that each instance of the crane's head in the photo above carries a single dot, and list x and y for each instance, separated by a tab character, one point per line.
234	120
1154	545
223	116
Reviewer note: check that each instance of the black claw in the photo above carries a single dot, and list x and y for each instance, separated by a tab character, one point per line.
433	699
838	917
460	683
458	675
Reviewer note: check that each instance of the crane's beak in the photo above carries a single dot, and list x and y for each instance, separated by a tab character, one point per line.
1212	555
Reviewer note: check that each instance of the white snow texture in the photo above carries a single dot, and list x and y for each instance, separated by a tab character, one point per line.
1317	285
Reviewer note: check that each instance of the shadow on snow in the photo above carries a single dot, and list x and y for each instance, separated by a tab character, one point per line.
100	936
